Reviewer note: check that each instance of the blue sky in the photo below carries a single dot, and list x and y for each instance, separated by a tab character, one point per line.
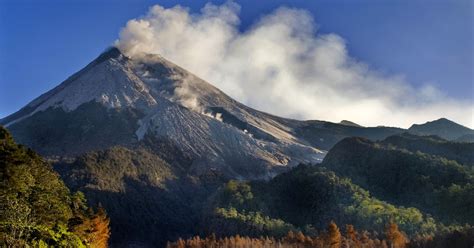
44	42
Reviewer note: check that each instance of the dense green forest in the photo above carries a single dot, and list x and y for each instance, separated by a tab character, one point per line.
404	191
401	174
367	184
306	198
37	209
147	193
461	152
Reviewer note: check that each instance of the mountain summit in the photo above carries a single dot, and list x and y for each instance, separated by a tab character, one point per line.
443	128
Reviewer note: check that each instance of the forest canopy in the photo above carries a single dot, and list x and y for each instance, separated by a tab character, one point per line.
37	209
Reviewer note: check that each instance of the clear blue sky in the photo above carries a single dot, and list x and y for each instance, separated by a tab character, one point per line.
44	42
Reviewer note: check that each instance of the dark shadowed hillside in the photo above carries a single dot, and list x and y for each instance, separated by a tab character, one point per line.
461	152
469	138
327	134
147	191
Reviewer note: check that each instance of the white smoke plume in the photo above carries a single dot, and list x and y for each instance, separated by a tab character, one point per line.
283	66
187	97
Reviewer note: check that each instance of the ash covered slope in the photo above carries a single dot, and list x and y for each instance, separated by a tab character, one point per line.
116	100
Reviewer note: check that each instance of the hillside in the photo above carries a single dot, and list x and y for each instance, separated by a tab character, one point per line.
37	209
144	188
443	128
326	134
168	154
460	152
466	138
306	199
402	174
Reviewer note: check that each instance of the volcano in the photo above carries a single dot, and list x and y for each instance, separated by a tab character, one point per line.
116	100
153	144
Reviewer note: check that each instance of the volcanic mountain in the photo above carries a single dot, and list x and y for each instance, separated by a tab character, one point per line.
117	100
153	144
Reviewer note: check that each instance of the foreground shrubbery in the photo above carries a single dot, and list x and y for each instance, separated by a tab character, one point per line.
37	209
334	238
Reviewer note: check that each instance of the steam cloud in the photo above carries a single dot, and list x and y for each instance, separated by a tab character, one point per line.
185	95
283	66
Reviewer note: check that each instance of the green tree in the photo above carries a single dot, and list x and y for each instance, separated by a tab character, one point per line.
36	208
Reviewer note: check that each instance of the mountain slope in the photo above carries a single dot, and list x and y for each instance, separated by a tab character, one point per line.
427	180
148	199
326	134
461	152
36	207
305	198
443	128
468	138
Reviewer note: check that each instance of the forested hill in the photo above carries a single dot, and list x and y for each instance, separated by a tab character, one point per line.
461	152
306	199
37	209
429	173
361	185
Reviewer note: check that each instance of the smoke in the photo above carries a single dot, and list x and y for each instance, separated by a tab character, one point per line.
282	65
187	97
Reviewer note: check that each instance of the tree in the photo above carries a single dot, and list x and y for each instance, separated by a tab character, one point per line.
351	235
36	207
100	229
334	235
300	238
395	238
